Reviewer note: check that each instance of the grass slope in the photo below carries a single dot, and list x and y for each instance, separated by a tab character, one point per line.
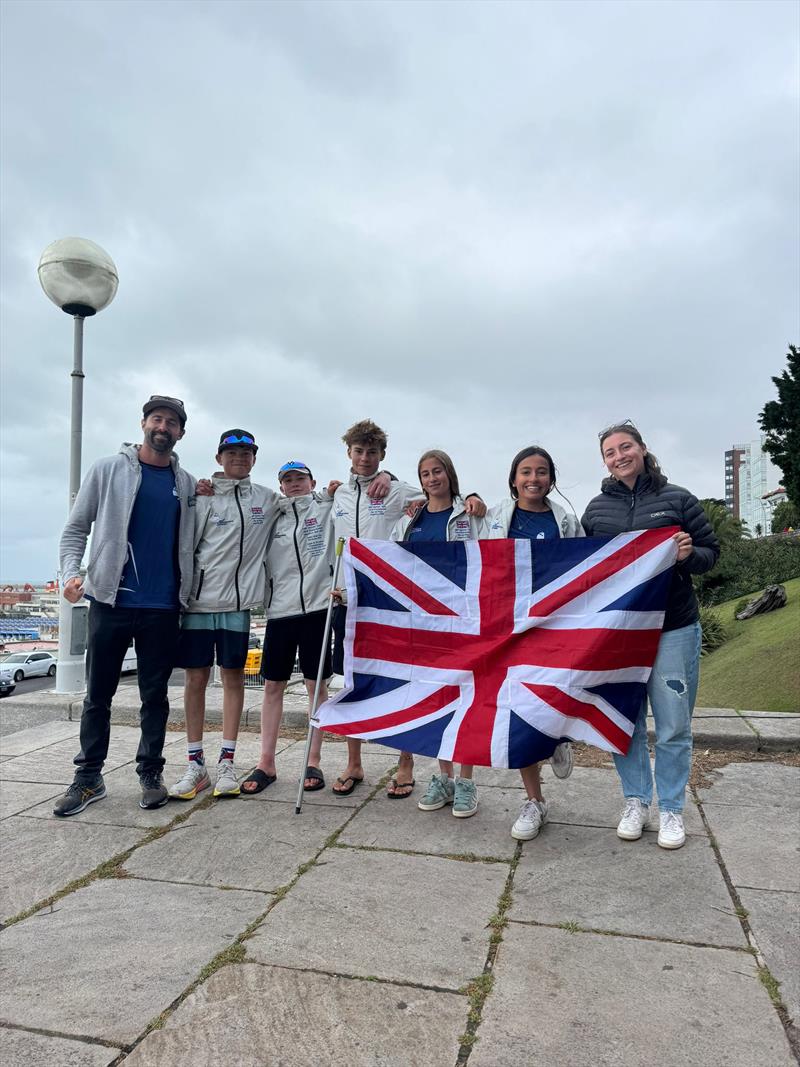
758	668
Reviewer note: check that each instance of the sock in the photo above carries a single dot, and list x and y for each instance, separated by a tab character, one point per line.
227	750
195	750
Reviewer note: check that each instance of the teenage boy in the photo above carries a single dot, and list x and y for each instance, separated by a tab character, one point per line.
299	568
140	503
231	534
357	514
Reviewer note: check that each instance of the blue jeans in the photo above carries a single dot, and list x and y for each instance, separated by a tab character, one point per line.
671	690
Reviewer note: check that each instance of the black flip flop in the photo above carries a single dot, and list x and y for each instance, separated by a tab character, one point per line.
346	792
401	785
261	779
316	775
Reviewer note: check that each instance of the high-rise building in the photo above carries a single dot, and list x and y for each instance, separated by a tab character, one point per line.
749	475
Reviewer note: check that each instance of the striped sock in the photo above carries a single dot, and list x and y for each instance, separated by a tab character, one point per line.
195	750
227	750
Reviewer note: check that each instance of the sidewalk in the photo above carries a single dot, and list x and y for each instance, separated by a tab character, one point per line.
364	932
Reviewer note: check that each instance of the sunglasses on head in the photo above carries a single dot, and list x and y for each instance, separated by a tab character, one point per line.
234	439
615	427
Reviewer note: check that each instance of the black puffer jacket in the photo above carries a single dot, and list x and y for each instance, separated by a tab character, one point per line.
617	509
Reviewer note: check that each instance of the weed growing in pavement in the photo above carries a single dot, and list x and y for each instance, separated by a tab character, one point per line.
570	926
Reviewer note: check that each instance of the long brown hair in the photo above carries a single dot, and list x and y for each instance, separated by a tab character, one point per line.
651	464
449	469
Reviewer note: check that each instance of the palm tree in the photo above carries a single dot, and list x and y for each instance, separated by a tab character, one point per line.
725	526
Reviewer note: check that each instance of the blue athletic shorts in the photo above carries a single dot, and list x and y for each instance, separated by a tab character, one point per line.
226	633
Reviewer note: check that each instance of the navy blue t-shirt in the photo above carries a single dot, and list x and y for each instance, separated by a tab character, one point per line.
533	525
150	575
429	526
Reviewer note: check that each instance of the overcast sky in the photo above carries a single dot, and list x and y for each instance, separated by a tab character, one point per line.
483	225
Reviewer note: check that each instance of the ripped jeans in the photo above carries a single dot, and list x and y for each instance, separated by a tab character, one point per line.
671	690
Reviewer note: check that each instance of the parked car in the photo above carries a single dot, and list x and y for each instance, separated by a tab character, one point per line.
254	642
7	685
30	664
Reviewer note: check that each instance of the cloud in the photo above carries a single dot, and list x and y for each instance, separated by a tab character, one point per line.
480	224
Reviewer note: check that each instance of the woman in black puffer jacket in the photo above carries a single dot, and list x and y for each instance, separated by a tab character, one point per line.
638	496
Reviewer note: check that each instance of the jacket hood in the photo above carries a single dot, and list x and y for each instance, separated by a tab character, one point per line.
131	451
614	487
227	485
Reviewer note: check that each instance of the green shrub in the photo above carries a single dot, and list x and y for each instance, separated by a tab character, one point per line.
748	566
714	632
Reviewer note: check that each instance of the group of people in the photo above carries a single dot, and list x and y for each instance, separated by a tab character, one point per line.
177	566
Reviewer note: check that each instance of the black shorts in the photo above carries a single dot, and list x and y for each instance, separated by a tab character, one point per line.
339	621
283	639
225	632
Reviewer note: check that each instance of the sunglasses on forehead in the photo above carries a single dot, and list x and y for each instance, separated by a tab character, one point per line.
617	427
235	439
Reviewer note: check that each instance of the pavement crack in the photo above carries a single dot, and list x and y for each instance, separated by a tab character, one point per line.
576	928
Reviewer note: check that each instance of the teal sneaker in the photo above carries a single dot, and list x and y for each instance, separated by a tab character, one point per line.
465	802
439	792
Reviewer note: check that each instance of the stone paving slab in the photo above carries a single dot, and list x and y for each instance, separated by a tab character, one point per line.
775	735
270	844
380	913
41	858
754	785
756	855
592	1001
289	765
310	1019
16	797
775	921
114	976
54	763
589	876
592	796
400	824
20	1048
36	737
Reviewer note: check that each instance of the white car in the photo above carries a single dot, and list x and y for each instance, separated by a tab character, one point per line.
7	685
30	664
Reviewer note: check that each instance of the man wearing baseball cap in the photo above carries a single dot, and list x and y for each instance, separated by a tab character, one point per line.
232	529
139	506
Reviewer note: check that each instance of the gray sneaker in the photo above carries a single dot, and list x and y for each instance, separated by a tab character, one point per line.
465	802
154	792
440	792
562	760
79	796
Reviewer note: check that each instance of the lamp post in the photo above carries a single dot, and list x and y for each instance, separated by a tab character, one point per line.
81	279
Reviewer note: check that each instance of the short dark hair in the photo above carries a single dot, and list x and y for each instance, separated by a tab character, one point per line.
449	468
367	433
531	450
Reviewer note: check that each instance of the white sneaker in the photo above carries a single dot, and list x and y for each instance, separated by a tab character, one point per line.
671	833
227	784
530	820
634	819
194	780
562	760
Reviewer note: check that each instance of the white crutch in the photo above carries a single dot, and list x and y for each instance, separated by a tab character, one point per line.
318	683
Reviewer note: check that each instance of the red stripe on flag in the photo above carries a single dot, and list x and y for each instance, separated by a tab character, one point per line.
435	702
623	557
578	709
403	584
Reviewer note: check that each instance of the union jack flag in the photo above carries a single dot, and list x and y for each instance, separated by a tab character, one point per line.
492	652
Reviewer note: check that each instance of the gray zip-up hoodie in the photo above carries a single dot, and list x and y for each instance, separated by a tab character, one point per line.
232	530
300	556
106	499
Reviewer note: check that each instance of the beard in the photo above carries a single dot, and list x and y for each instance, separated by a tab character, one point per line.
160	441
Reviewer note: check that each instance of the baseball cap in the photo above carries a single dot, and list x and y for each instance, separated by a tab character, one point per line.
294	465
237	438
170	402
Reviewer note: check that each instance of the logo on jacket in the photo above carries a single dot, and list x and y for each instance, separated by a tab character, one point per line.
257	515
